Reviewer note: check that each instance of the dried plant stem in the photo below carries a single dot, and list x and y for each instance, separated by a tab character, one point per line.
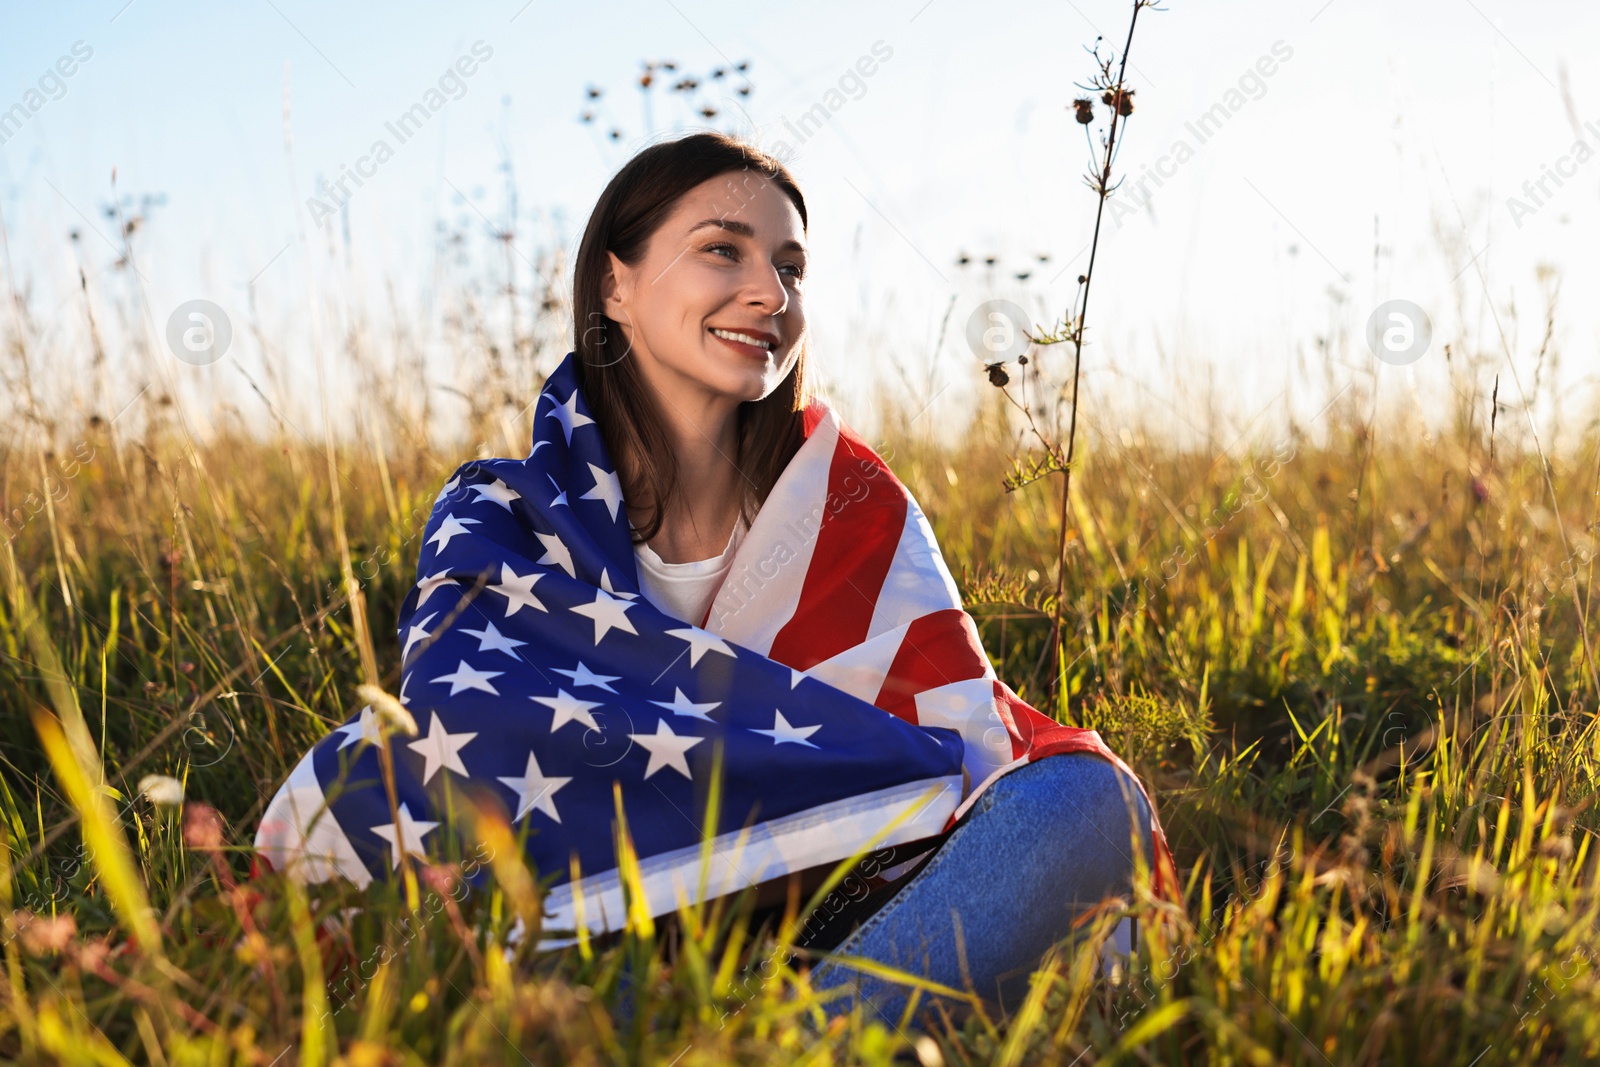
1102	187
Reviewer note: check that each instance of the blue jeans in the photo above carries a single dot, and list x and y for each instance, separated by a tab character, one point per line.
1042	844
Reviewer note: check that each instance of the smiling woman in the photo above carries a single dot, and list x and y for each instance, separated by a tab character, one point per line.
695	357
564	667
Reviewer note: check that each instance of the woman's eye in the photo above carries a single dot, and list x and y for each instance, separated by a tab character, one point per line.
799	270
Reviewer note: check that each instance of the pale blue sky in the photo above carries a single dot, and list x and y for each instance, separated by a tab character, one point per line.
1378	122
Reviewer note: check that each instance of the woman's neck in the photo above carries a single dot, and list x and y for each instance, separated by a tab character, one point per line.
710	489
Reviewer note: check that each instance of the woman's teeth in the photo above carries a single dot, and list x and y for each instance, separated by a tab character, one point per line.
743	338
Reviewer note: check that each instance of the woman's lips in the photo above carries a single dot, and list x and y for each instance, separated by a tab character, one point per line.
752	351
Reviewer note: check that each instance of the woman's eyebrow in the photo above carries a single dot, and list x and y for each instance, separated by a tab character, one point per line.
743	229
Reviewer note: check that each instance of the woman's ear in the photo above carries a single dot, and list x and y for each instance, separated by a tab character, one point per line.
615	288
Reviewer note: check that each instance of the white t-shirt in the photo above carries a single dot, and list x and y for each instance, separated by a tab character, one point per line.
686	590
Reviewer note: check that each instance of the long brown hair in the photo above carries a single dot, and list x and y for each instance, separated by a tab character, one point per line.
633	206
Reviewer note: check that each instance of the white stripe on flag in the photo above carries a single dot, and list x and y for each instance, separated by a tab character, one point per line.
748	857
861	669
300	837
762	590
918	582
969	707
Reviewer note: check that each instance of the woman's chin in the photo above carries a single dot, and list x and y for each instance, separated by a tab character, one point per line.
745	383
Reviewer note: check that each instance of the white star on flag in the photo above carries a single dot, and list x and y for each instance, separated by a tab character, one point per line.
534	790
782	731
682	705
518	590
426	587
450	527
491	639
608	613
449	487
605	583
561	494
364	728
555	552
606	488
465	677
415	634
405	680
568	708
497	492
441	748
584	676
407	837
568	415
701	642
666	749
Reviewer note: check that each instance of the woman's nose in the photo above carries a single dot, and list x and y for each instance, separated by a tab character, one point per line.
768	291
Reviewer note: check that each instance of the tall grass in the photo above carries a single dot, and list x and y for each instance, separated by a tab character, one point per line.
1355	678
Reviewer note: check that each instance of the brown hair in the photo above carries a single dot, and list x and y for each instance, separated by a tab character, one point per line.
633	206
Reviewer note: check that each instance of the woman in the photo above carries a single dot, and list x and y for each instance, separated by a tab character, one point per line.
705	614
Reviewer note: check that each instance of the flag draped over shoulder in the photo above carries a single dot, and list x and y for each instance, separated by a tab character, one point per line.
836	671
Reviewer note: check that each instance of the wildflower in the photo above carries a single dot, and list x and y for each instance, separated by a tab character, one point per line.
1085	108
202	827
440	877
1121	99
92	955
44	935
388	710
997	374
161	790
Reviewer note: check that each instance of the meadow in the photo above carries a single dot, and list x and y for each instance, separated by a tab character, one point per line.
1352	657
1352	662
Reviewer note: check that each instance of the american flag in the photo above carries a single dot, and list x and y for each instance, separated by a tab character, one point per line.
836	670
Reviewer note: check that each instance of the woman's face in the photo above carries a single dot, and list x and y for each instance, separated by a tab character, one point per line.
727	261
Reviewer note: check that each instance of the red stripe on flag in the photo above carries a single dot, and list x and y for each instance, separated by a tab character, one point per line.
939	648
863	516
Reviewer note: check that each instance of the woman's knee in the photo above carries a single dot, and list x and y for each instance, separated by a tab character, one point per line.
1108	810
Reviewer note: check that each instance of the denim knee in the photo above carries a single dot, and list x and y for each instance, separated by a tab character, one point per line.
1102	804
1128	813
